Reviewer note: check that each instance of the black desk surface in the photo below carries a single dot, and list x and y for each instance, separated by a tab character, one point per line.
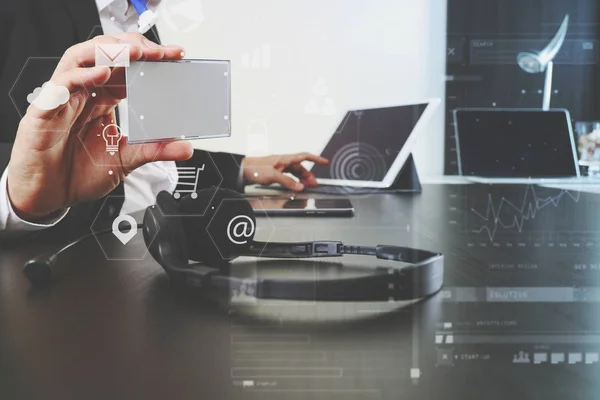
522	275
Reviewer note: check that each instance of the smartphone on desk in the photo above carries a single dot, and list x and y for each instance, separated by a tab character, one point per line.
295	207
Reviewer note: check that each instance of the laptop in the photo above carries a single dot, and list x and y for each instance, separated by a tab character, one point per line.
370	146
516	146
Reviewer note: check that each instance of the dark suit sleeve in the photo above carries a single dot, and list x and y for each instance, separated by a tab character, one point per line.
219	169
11	60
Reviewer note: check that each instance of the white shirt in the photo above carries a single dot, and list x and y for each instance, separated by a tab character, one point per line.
143	184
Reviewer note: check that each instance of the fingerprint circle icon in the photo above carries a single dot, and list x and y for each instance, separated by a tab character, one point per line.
358	162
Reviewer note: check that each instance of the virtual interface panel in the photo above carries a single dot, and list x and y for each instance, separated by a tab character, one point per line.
482	52
188	99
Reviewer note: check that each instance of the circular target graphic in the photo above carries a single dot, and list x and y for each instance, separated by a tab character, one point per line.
358	162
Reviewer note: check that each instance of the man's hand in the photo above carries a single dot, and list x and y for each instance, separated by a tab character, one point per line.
271	169
50	168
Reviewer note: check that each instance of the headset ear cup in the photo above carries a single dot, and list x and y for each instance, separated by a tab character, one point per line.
164	234
205	227
197	213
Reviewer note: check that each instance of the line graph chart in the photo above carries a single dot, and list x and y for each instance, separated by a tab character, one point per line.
512	216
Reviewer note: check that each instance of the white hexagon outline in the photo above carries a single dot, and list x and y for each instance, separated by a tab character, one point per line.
97	105
138	148
10	92
100	30
100	244
90	37
217	210
214	189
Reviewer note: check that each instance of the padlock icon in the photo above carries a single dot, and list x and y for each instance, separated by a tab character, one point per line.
328	108
320	88
257	138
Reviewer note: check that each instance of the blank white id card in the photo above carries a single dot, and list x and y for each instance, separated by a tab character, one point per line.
180	99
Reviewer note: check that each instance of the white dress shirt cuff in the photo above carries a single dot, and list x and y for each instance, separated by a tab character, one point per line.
10	221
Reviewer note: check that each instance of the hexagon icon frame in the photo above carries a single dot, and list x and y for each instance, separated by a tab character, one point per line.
98	28
267	218
18	78
95	234
220	177
124	133
116	164
92	35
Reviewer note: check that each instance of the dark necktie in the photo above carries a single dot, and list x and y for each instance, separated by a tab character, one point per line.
152	35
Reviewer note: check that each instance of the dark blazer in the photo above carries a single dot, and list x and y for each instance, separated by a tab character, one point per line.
34	34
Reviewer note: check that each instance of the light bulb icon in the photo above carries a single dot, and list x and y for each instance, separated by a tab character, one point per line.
112	136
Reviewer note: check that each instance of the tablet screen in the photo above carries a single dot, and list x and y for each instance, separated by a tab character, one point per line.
367	142
186	99
515	143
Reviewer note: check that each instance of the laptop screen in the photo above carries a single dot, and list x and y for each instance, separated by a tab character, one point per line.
515	143
367	142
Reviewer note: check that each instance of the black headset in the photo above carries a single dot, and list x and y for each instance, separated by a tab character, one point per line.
215	226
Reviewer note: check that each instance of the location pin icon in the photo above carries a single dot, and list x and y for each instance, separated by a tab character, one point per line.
124	237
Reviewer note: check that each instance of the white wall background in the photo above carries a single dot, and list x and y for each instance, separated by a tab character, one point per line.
366	52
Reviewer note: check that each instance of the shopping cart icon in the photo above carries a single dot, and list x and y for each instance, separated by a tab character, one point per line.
188	181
